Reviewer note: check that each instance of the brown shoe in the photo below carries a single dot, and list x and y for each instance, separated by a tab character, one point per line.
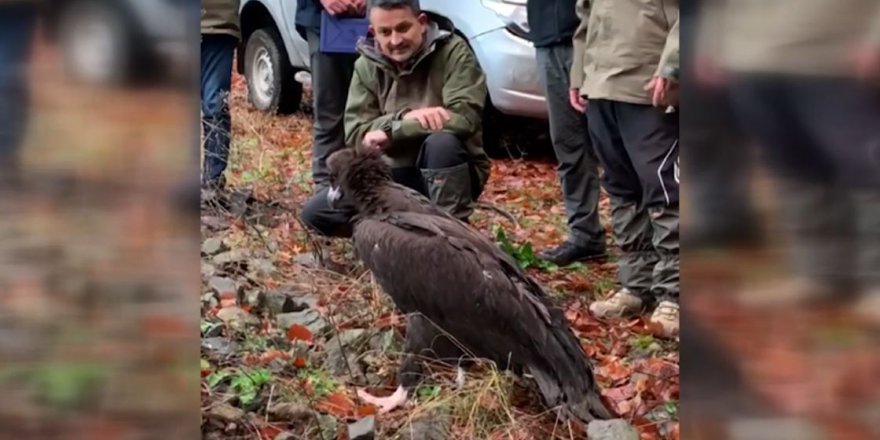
665	319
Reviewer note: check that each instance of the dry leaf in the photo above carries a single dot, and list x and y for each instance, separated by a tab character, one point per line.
298	332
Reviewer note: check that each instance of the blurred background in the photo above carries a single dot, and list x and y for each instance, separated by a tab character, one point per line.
781	223
99	226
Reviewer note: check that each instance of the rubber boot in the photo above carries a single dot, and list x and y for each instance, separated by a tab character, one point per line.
450	189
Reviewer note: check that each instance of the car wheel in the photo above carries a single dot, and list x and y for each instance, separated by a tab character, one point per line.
270	78
96	46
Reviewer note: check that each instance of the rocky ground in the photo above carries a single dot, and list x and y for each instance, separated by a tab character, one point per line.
292	323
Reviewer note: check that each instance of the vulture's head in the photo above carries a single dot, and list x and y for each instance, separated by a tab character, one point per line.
355	172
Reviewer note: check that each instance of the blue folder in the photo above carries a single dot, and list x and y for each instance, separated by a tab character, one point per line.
341	34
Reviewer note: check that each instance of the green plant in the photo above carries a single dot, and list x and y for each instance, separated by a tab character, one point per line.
524	254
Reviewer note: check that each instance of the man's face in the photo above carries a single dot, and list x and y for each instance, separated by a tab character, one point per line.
398	31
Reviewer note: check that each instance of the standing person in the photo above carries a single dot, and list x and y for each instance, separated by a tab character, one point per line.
331	76
220	35
624	75
552	24
417	94
18	23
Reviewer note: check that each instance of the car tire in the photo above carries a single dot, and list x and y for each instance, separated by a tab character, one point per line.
97	43
270	77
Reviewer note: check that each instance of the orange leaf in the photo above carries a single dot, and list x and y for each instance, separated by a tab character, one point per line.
270	355
298	332
269	432
299	362
366	410
227	299
337	404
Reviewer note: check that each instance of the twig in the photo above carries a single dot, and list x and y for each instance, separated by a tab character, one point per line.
269	403
490	207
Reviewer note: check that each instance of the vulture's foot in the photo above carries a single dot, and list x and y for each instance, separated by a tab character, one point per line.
385	404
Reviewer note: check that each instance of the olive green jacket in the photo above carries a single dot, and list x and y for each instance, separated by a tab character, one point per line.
221	17
800	37
621	44
445	73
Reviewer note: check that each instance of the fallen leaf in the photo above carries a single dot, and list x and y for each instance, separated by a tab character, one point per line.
298	332
227	299
366	410
299	362
336	404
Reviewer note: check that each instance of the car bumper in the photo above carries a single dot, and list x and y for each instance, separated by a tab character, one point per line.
511	73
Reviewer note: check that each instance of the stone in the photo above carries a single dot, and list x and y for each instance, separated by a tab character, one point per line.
617	429
219	346
291	411
262	266
209	300
213	246
222	285
225	413
236	318
363	429
279	302
208	270
342	352
232	256
307	259
434	425
309	318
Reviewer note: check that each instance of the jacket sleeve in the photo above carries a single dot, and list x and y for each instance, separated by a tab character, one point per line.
669	61
363	111
579	43
464	96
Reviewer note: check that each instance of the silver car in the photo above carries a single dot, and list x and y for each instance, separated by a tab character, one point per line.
275	54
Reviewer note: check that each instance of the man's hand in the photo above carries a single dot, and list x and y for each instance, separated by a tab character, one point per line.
664	92
431	118
358	7
376	139
336	7
577	101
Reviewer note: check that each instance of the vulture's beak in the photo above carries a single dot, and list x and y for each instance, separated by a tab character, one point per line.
333	196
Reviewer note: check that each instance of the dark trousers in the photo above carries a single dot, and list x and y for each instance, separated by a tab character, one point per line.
578	164
821	139
438	151
216	79
331	77
638	147
17	28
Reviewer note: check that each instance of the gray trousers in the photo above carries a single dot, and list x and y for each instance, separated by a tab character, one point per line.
331	77
577	169
638	147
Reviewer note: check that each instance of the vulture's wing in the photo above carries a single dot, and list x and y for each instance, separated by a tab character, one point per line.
457	278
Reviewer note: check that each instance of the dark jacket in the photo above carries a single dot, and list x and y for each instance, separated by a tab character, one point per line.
221	17
552	22
308	16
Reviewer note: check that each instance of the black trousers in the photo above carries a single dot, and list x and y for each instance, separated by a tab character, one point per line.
438	151
638	147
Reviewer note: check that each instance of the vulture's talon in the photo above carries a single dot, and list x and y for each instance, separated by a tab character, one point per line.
384	404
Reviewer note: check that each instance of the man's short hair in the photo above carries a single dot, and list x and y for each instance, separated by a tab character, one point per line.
394	4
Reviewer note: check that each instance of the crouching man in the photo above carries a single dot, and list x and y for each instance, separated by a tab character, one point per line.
417	94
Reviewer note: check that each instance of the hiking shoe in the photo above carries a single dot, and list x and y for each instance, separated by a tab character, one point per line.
788	292
621	303
664	320
568	253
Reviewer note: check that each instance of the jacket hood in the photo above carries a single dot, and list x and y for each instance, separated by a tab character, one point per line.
438	30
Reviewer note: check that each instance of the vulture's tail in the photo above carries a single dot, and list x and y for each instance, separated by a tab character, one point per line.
566	376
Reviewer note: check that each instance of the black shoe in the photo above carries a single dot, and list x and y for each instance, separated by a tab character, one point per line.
568	253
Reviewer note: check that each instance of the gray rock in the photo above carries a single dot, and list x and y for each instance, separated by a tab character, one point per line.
222	285
328	426
279	302
219	346
208	270
435	425
303	301
385	341
256	299
232	256
342	352
291	411
213	246
237	318
772	429
363	429
309	318
225	413
209	300
213	330
617	429
307	259
262	266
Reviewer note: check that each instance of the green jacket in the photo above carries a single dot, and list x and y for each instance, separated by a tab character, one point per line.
445	73
799	37
221	17
620	45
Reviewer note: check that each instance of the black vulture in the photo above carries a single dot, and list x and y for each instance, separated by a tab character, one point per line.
442	269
